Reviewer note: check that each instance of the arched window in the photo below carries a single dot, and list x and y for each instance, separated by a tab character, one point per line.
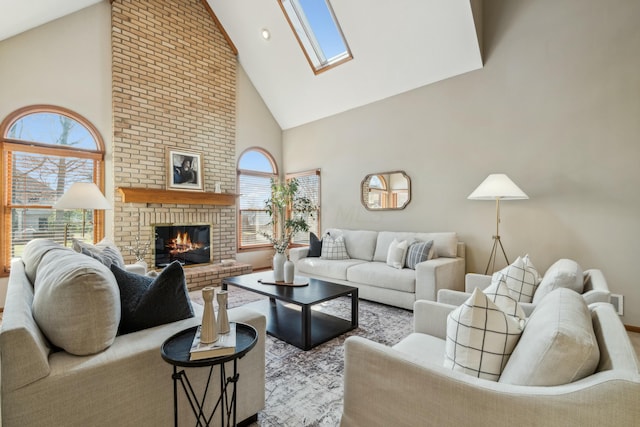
45	150
256	168
377	192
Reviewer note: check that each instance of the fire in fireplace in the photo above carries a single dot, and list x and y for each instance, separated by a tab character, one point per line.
189	244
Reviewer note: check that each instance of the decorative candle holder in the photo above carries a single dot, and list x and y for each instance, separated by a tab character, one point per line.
209	329
223	318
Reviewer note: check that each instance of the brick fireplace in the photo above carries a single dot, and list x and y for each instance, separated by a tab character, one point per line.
174	87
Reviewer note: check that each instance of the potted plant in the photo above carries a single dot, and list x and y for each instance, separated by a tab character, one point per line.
289	213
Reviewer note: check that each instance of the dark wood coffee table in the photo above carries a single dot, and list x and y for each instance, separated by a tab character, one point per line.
289	312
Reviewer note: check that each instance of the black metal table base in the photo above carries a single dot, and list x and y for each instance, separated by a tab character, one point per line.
226	405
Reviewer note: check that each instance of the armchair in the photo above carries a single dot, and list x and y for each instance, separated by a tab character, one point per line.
408	385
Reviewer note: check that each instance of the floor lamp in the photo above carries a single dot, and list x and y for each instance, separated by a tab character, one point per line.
497	187
82	195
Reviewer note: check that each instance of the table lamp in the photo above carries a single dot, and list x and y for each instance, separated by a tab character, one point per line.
497	187
82	195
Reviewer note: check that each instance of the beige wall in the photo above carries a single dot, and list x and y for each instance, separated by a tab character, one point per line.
556	107
255	127
67	63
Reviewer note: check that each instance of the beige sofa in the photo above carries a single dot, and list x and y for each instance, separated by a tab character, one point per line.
408	384
367	269
126	384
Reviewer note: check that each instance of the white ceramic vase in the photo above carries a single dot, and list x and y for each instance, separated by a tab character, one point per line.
278	266
289	270
223	318
209	329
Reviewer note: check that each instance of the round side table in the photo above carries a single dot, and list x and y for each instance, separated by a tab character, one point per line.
175	350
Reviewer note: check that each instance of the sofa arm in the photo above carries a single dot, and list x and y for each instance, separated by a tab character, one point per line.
448	296
595	287
430	318
298	253
474	280
439	273
137	268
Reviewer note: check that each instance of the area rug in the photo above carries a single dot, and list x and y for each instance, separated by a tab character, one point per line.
304	388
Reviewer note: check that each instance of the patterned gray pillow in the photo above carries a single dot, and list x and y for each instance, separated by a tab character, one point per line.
417	253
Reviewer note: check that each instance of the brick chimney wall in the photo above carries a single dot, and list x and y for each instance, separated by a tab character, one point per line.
174	86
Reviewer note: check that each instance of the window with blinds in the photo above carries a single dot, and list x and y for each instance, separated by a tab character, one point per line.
308	186
256	169
44	153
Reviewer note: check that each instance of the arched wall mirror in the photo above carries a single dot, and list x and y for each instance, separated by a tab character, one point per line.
386	190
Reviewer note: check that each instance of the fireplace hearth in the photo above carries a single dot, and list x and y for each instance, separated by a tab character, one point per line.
188	244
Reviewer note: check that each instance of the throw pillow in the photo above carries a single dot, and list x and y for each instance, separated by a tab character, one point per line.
105	248
480	337
418	252
397	253
564	273
151	301
522	278
499	293
108	256
558	345
333	248
315	246
76	303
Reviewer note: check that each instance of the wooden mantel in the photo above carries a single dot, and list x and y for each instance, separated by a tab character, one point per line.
153	195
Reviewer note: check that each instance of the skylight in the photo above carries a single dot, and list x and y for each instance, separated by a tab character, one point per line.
318	32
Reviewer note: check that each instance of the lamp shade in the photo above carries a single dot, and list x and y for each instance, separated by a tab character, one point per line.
497	186
83	195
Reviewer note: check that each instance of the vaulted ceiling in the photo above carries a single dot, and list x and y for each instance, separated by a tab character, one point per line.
397	46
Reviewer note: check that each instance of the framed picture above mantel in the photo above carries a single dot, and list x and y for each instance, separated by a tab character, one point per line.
184	170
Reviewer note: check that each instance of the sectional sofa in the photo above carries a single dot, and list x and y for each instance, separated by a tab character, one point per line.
376	280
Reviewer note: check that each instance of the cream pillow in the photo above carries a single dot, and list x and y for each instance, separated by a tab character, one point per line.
558	345
522	278
397	253
76	302
480	337
564	273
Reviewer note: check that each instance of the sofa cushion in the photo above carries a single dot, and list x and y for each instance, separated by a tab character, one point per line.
480	337
33	253
315	246
423	348
333	248
104	251
564	273
76	302
499	293
397	254
558	345
445	243
360	244
521	277
419	252
381	275
331	269
151	301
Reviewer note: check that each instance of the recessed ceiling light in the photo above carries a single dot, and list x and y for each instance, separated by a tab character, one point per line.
265	34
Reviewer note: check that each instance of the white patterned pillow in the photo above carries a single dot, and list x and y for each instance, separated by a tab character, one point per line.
522	278
333	248
397	253
499	293
480	337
